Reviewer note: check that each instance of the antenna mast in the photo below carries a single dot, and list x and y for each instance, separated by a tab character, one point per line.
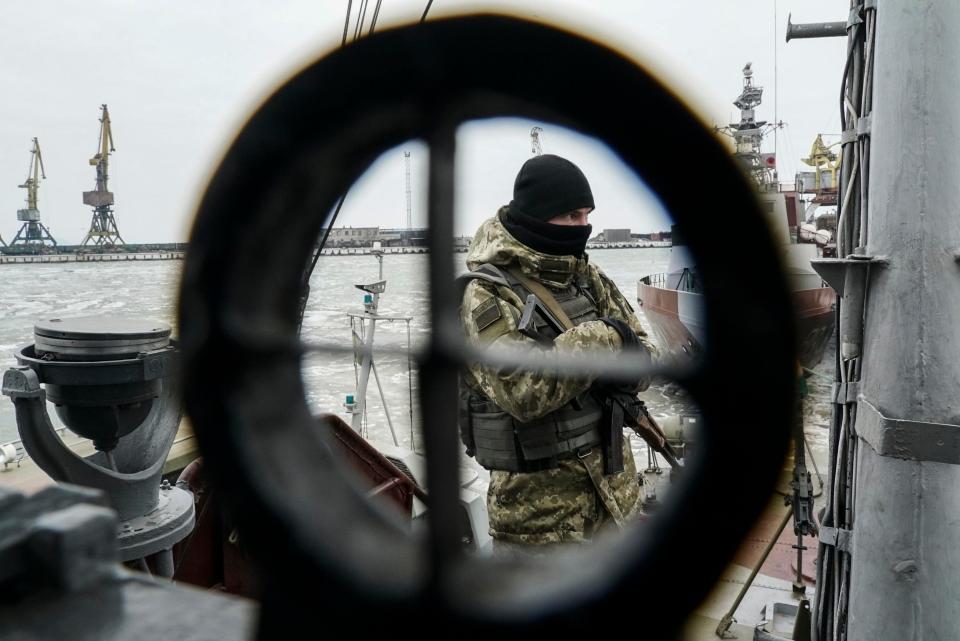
103	228
406	162
33	236
749	133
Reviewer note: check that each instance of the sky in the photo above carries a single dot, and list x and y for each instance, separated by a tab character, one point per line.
180	79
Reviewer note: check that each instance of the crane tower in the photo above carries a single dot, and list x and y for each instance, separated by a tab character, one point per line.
535	147
103	228
33	235
406	162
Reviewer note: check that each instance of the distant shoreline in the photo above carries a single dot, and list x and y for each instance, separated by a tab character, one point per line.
104	257
177	251
366	251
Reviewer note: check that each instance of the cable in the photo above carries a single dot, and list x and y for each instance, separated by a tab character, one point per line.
423	18
308	273
373	21
326	234
346	23
361	12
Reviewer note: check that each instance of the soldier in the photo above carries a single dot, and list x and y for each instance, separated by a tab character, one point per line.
558	473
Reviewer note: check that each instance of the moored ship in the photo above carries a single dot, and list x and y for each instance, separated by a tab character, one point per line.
673	301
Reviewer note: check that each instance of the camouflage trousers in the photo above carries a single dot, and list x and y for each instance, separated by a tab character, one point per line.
571	503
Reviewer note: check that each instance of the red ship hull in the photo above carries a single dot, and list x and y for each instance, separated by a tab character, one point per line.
678	322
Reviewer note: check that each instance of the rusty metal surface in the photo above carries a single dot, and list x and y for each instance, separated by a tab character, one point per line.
376	470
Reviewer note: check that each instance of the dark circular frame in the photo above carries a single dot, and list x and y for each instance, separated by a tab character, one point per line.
256	228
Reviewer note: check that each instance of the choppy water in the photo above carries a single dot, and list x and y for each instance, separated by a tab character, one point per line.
141	289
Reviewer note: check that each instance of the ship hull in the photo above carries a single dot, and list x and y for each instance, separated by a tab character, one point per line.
678	321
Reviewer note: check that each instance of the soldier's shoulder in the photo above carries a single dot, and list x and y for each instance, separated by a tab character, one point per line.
599	276
597	272
477	291
485	312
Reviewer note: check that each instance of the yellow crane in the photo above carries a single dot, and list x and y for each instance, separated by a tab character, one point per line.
35	173
33	236
821	157
103	228
100	158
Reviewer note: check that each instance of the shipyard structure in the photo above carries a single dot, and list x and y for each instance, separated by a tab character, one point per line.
32	237
36	240
366	237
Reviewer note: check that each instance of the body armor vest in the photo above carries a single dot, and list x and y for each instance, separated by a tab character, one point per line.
499	441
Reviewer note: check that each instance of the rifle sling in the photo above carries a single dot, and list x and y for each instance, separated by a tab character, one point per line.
544	295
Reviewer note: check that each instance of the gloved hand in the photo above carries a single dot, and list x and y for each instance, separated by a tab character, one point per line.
627	336
631	344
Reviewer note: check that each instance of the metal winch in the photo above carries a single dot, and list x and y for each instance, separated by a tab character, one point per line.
110	380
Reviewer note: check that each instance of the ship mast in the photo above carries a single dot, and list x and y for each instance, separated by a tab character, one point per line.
749	133
103	227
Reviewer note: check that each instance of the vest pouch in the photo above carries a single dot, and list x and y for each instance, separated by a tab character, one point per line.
493	436
561	432
500	442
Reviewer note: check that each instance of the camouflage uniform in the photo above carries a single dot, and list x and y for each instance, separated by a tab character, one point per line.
570	502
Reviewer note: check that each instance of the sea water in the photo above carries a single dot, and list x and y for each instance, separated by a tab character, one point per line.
33	292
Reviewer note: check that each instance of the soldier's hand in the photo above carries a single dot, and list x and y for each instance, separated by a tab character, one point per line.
590	336
650	432
628	337
630	343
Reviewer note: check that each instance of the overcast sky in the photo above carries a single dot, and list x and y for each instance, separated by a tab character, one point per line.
181	77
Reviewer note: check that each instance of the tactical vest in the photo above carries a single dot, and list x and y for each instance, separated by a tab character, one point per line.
499	441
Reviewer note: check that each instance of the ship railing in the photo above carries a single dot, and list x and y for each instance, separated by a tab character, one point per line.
655	280
20	453
358	332
688	282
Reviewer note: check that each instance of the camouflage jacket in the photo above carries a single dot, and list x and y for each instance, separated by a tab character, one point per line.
569	502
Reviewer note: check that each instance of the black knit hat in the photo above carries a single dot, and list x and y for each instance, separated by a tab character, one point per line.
548	186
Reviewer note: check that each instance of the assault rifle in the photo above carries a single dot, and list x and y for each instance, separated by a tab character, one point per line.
527	326
633	410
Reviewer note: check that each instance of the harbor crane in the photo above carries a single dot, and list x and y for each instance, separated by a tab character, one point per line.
822	158
535	148
103	228
33	235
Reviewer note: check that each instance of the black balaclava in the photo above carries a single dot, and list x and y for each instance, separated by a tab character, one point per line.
548	186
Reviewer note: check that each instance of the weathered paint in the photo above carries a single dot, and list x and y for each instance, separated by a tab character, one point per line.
905	558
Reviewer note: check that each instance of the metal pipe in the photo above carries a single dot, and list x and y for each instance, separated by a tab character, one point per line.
857	33
163	560
903	560
727	618
366	364
383	401
815	29
413	440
